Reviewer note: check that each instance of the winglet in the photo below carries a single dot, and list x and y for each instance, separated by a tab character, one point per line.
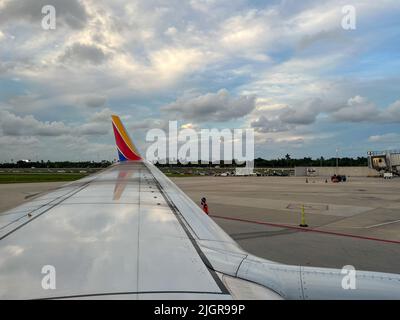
126	148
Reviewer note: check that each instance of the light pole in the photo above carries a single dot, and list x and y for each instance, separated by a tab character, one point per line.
337	161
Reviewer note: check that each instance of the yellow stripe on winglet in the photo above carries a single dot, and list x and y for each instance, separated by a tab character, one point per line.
124	134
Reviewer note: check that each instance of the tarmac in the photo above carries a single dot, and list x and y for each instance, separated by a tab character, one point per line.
354	223
13	194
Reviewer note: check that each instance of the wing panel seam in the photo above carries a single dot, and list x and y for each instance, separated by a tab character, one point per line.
202	256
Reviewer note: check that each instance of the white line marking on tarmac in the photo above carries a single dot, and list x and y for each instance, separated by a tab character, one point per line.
382	224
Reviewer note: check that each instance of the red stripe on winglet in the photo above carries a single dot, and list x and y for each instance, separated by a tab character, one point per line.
123	147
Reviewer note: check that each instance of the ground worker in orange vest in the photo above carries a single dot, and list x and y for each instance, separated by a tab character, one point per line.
204	205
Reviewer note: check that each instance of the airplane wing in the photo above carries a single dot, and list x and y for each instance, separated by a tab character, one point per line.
128	232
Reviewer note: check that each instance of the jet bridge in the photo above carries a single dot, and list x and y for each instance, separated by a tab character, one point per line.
385	161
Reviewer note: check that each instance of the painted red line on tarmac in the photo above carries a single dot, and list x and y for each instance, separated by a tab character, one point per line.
306	230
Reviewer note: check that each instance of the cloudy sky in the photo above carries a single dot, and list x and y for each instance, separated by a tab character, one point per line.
286	68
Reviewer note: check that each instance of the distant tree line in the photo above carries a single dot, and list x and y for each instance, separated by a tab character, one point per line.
285	162
288	162
56	164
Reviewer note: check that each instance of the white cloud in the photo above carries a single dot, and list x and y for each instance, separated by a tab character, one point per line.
134	54
383	138
171	31
169	64
71	13
357	109
303	114
101	116
265	125
360	109
16	142
393	112
95	101
244	31
216	107
28	126
190	126
82	53
13	125
147	124
202	5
